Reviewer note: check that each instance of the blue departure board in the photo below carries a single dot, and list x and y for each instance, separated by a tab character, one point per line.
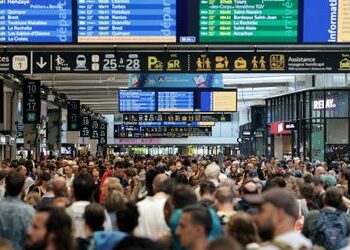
36	21
218	101
174	101
126	21
137	101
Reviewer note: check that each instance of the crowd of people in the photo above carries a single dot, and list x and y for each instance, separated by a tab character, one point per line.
174	202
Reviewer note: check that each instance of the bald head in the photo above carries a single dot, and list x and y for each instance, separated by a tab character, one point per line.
59	187
224	195
157	182
250	188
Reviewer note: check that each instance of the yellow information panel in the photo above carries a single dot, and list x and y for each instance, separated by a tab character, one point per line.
344	21
225	100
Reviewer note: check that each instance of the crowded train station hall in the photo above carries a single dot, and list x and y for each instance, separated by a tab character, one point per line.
174	124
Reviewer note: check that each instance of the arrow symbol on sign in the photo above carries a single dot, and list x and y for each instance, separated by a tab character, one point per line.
41	64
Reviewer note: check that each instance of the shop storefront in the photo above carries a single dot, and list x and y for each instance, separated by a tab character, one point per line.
312	124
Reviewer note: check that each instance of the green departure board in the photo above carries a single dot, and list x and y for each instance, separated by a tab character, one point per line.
248	21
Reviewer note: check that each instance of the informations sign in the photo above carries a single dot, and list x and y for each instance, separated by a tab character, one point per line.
218	101
326	21
31	102
36	21
190	62
126	21
137	101
252	21
175	101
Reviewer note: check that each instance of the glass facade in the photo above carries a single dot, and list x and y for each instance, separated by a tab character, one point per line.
321	118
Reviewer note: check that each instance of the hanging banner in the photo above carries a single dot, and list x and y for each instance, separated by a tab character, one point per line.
73	108
85	125
31	102
176	81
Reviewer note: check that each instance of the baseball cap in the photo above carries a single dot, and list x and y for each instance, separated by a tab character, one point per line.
329	180
279	197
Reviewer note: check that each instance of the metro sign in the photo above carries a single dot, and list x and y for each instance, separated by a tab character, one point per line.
324	104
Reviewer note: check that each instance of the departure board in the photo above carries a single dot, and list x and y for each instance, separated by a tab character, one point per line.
174	101
126	21
35	21
218	101
137	101
248	21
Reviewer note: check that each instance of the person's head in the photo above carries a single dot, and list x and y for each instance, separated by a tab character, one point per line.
83	187
317	184
22	170
207	188
150	175
195	225
44	177
183	195
223	195
249	187
14	184
319	171
212	171
224	243
128	218
138	243
59	187
241	227
157	182
51	229
109	185
333	197
94	217
68	170
277	213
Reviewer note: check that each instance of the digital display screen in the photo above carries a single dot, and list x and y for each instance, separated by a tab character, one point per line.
36	21
137	101
218	101
126	21
248	21
174	101
326	21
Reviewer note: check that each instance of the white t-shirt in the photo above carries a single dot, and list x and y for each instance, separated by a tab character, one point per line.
294	239
76	211
151	220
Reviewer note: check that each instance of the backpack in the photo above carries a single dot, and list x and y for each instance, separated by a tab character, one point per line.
332	230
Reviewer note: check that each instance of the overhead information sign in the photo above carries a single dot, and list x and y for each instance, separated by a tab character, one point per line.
175	101
189	62
253	21
177	117
136	101
126	21
36	21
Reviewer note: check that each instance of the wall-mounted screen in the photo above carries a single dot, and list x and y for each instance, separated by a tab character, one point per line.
175	101
36	21
136	101
218	101
126	21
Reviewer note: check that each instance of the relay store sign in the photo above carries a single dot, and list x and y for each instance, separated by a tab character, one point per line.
324	104
278	128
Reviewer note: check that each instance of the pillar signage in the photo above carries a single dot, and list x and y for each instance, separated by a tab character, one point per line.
102	135
73	108
85	125
94	128
31	102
